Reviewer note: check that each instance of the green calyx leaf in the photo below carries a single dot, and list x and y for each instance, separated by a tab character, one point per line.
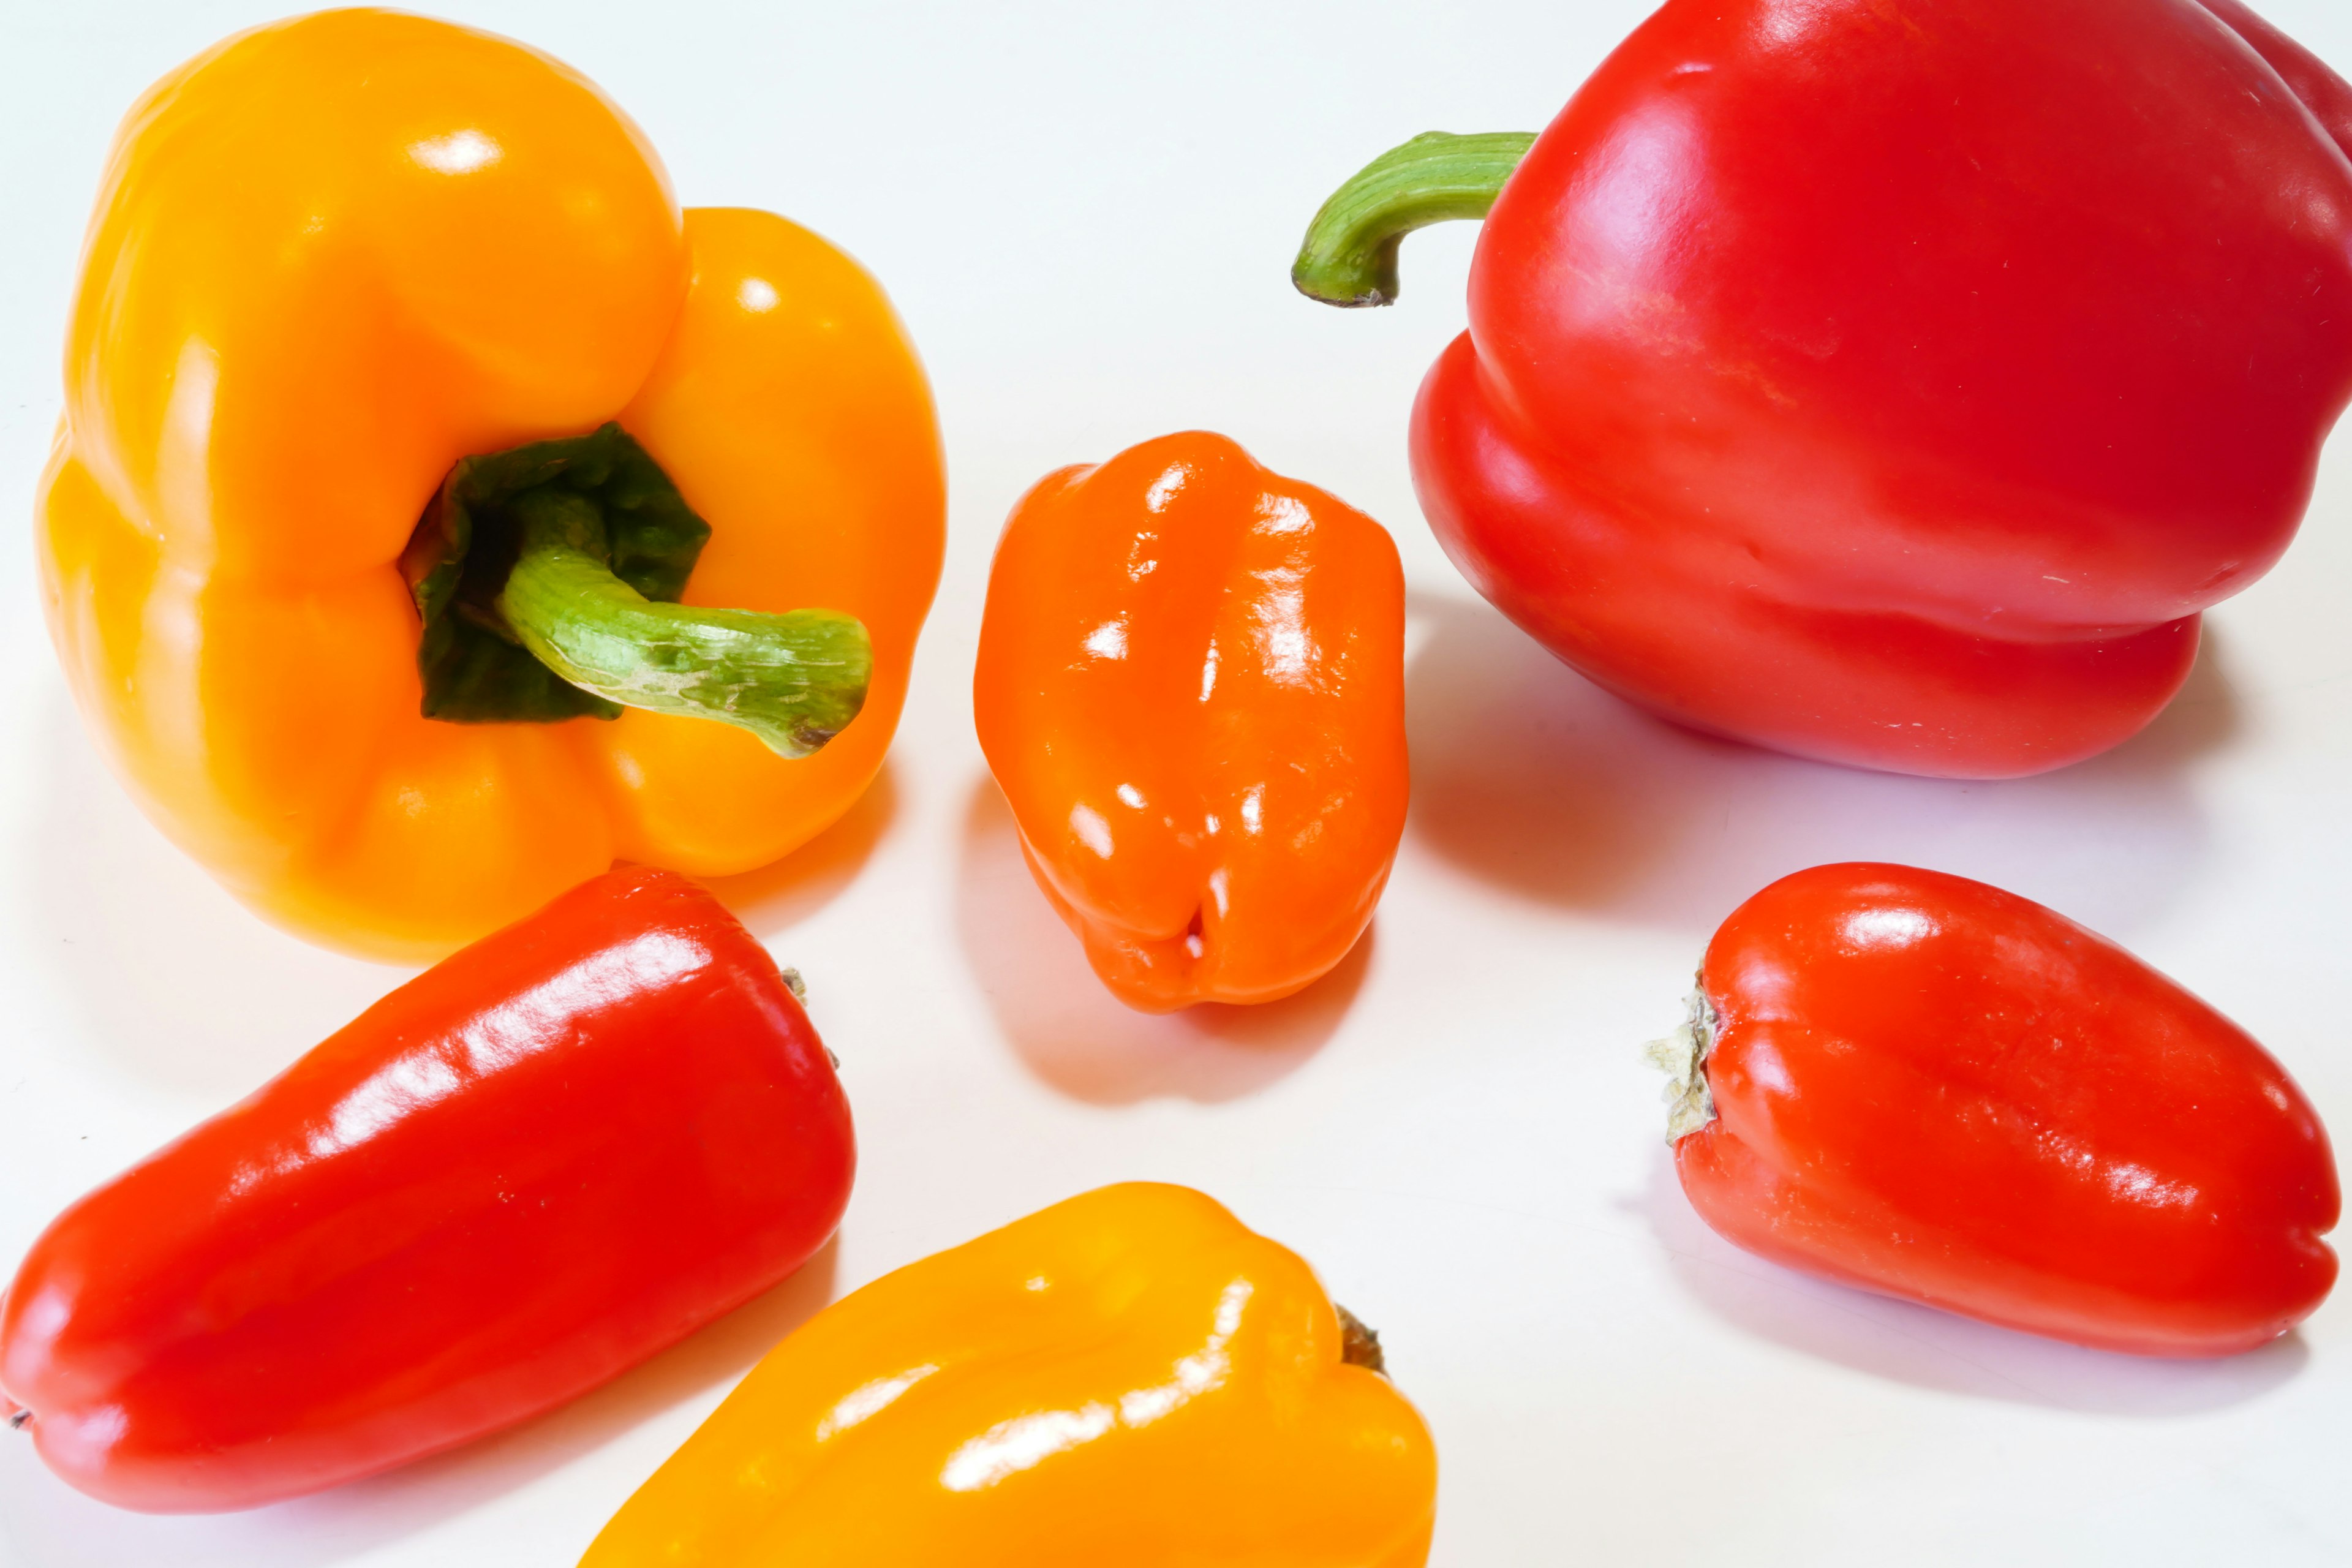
628	515
548	578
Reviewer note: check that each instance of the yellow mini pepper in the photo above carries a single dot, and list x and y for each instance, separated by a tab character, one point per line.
1130	1377
413	437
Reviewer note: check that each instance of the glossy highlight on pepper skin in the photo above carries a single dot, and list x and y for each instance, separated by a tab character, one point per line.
1129	1376
1191	688
523	1173
1939	1090
1896	385
333	257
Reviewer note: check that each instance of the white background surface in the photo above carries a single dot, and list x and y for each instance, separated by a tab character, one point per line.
1085	214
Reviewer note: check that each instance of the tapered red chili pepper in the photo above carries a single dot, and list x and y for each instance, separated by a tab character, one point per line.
568	1146
1929	1088
1892	383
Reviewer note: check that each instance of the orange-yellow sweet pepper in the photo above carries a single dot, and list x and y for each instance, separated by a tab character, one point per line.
333	260
1130	1377
1190	686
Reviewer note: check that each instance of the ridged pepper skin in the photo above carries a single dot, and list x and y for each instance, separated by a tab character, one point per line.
333	257
1190	686
524	1172
1895	385
1130	1377
1932	1089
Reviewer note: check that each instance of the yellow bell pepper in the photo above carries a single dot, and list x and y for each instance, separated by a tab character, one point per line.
341	267
1130	1377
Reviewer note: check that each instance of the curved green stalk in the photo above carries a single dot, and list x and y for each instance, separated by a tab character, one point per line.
795	681
1349	255
546	578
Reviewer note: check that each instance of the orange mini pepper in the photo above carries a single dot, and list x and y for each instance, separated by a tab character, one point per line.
1190	686
1129	1377
341	268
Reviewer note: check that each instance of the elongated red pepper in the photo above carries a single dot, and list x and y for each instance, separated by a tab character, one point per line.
1929	1088
570	1144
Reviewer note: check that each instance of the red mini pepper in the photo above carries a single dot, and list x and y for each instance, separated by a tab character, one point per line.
1932	1089
1893	385
570	1144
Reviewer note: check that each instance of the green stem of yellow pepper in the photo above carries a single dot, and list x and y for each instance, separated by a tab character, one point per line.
793	679
547	575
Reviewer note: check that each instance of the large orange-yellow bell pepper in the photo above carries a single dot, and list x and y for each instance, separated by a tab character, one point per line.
333	259
1190	686
1130	1377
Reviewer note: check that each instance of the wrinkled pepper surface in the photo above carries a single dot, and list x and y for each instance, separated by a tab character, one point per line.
1190	686
570	1144
400	399
1890	384
1129	1376
1932	1089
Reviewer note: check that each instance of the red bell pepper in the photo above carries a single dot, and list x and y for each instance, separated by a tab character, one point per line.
1889	386
570	1144
1929	1088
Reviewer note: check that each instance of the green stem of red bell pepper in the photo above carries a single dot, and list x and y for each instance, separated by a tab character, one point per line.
1350	256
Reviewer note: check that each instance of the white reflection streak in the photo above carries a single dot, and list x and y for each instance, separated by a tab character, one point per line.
183	457
1109	640
501	1036
459	152
1091	829
1283	514
1886	928
1636	190
863	1404
1789	23
1163	488
1021	1443
1195	1374
1027	1441
184	491
398	1088
1282	631
2139	1185
2130	1182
